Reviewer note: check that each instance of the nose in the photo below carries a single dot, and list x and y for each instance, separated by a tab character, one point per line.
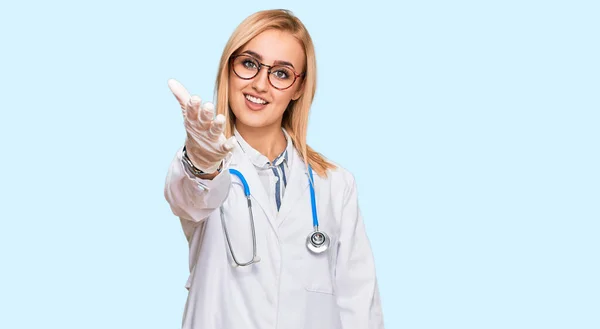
260	83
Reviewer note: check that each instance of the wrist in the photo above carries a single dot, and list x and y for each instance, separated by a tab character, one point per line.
189	164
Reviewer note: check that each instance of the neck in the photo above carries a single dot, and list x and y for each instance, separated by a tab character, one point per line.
269	141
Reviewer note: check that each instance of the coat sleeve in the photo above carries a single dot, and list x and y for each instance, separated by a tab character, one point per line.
187	197
355	279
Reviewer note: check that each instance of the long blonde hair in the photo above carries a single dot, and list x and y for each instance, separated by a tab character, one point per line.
295	117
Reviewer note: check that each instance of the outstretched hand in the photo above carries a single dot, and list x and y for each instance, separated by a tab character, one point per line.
205	144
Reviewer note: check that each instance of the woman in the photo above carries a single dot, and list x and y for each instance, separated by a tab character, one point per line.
276	277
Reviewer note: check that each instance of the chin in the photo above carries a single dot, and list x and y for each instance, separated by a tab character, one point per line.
252	123
248	118
254	119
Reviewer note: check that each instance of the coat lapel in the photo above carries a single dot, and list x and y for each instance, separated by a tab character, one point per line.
259	196
296	187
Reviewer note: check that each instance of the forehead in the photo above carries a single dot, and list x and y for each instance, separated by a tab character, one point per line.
274	45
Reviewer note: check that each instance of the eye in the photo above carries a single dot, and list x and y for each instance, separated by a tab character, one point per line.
249	64
282	73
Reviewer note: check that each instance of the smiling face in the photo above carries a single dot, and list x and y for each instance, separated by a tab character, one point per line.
256	102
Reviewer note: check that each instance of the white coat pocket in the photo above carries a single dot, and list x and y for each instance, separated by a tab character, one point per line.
316	272
321	311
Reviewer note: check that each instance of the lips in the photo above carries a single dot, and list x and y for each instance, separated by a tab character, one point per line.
255	99
254	103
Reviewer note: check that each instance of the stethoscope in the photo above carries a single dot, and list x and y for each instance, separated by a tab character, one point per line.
317	241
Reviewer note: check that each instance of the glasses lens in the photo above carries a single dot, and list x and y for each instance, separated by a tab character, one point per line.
245	67
281	77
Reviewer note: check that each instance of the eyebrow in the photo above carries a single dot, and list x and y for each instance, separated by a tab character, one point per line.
260	58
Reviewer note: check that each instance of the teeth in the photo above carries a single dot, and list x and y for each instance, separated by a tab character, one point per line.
256	100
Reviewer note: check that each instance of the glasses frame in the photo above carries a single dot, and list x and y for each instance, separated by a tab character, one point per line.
260	66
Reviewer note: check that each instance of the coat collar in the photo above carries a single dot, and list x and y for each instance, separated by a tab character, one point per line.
296	188
297	185
257	159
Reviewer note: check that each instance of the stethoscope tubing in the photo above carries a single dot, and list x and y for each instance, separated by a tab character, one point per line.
316	248
313	202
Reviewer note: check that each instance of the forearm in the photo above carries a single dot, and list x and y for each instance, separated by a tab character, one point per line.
193	198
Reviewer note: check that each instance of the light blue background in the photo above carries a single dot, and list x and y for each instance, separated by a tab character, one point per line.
472	128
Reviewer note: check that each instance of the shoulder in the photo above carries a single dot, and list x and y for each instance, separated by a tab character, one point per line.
336	176
339	172
341	179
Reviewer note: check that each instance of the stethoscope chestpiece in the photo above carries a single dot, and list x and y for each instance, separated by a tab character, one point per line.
317	242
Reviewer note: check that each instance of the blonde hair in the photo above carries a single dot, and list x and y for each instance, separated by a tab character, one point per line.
295	117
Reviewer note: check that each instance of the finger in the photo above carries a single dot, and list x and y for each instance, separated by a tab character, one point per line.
192	108
217	126
181	94
206	114
229	144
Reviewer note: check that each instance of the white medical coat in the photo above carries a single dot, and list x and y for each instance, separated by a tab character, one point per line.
290	288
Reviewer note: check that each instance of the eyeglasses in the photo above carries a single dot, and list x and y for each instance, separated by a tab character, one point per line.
280	76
